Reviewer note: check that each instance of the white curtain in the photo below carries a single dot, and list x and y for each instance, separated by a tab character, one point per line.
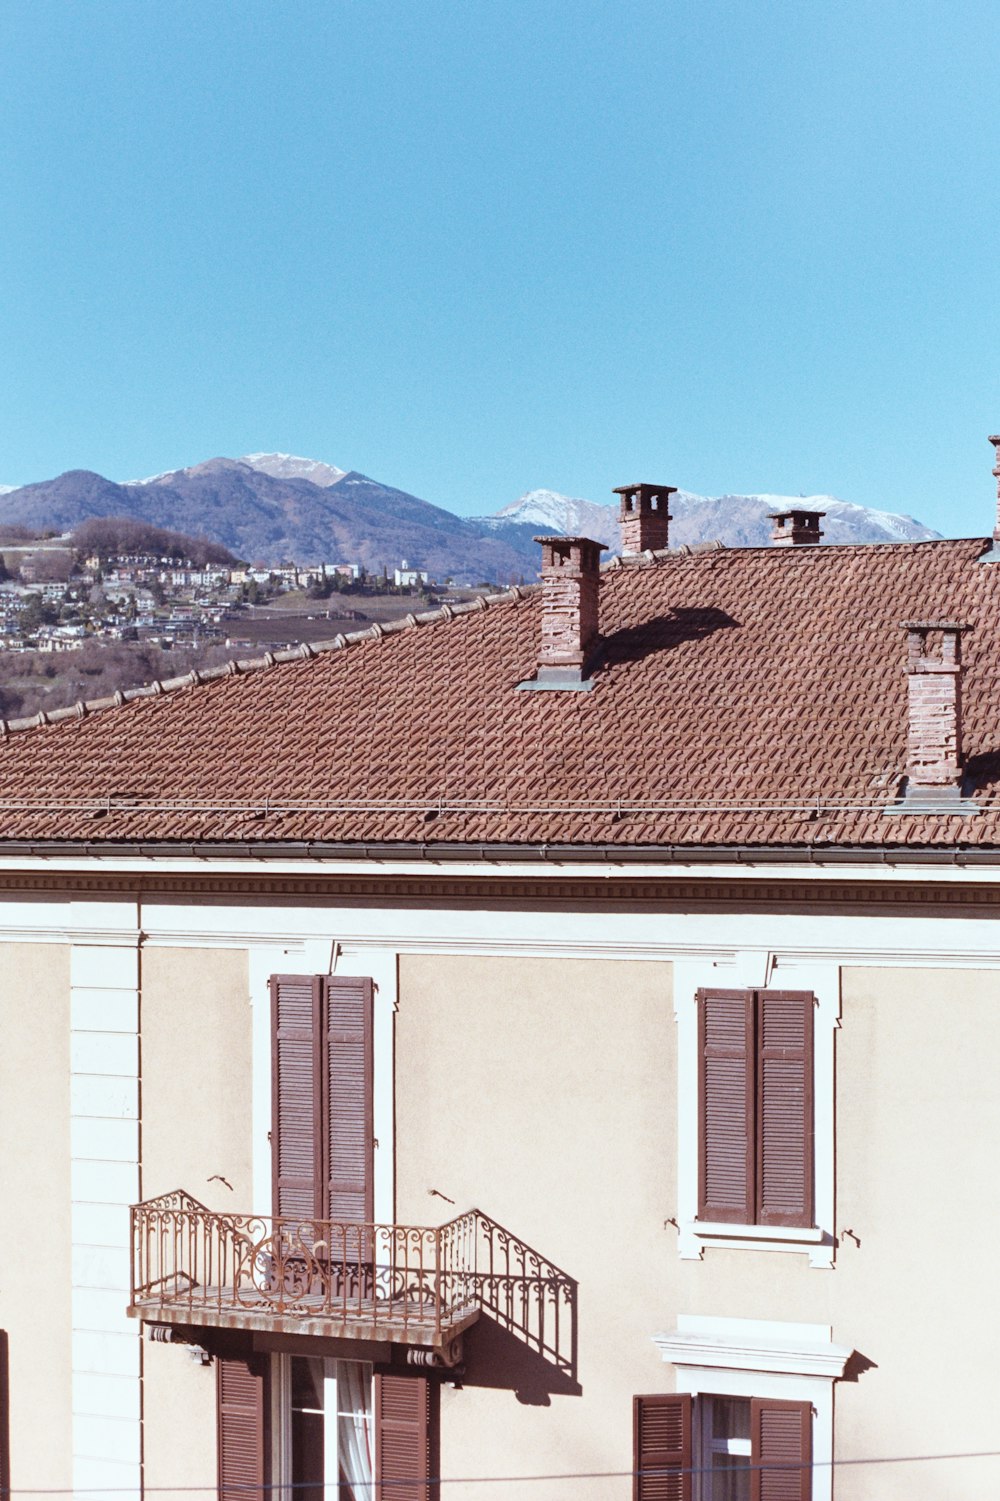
354	1430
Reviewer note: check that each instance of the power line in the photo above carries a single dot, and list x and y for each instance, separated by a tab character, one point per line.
250	1490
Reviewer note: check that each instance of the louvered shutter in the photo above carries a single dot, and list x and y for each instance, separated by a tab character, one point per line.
661	1448
241	1437
349	1104
296	1095
785	1108
4	1417
726	1106
404	1447
781	1450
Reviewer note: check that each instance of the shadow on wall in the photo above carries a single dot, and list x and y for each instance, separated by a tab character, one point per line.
525	1339
857	1365
496	1358
663	633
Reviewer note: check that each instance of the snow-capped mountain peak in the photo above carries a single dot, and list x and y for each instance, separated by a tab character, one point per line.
564	515
292	466
737	520
277	465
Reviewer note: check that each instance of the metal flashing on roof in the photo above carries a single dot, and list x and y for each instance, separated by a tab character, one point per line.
554	685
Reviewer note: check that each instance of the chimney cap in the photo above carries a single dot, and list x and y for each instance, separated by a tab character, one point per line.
936	625
572	541
644	485
795	511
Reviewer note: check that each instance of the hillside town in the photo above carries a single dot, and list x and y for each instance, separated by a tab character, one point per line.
56	595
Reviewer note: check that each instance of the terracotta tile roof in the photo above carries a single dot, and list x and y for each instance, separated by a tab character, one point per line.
746	696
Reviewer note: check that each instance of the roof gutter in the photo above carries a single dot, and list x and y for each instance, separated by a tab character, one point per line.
381	851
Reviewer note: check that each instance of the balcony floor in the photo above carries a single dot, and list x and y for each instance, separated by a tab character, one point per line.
395	1322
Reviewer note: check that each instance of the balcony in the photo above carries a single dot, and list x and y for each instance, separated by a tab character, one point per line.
412	1285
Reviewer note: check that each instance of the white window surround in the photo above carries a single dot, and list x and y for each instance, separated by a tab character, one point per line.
756	970
762	1358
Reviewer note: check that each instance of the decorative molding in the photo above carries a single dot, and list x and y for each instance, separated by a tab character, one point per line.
104	1181
833	938
803	893
750	1345
759	1232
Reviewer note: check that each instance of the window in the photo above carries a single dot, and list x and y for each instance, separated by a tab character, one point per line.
726	1453
721	1448
330	1439
752	1418
755	1107
729	1143
310	1427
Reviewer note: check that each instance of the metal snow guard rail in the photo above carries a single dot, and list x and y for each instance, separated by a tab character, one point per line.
405	1284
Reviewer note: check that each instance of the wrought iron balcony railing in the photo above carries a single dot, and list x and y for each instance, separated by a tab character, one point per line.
405	1284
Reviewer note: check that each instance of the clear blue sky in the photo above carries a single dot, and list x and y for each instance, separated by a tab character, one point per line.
474	248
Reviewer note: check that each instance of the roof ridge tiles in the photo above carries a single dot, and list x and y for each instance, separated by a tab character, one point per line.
238	666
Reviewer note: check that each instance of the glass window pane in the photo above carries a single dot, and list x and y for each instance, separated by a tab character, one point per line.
354	1430
307	1385
730	1477
308	1455
730	1417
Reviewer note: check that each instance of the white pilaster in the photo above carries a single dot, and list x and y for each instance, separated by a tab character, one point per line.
104	1166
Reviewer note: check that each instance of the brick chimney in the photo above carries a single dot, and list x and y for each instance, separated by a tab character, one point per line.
795	527
995	440
934	710
643	518
571	576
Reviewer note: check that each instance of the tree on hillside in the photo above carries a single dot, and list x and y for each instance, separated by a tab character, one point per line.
123	536
35	613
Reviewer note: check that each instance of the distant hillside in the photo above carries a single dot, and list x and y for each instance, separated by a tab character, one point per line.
269	508
268	518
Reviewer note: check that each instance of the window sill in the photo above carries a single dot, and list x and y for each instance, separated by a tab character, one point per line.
697	1236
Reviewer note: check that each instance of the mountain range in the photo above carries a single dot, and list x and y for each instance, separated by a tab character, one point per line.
269	507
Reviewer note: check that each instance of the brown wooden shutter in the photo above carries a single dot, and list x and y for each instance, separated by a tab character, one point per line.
781	1450
296	1094
785	1108
240	1407
661	1448
4	1417
405	1451
726	1106
350	1125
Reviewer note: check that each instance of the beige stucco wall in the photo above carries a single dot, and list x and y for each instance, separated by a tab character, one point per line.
196	1123
918	1132
544	1093
35	1209
541	1092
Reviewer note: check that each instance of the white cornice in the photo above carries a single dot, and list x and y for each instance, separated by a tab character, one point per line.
551	868
750	1345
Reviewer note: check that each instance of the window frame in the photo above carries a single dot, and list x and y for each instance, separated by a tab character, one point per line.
756	970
